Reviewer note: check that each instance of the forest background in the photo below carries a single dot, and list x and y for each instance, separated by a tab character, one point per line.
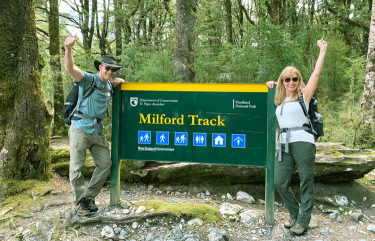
235	41
220	41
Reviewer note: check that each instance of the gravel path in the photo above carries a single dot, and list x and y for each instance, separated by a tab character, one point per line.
55	222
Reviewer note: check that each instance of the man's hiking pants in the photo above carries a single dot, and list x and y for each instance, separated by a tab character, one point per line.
80	141
302	155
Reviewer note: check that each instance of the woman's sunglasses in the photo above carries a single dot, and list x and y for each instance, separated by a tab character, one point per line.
111	69
295	79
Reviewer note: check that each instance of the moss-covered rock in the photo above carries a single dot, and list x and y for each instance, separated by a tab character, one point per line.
127	170
60	154
60	158
62	169
205	212
334	164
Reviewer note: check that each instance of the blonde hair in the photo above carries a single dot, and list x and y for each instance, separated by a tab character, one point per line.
280	89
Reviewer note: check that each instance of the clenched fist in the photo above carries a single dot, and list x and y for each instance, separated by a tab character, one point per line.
70	41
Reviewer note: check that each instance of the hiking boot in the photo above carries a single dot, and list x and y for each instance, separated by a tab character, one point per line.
83	207
289	223
297	230
91	205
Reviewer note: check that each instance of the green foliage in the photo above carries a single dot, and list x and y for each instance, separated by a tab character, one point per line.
260	52
231	65
158	68
13	187
343	123
356	72
335	78
278	51
351	19
244	64
133	58
344	111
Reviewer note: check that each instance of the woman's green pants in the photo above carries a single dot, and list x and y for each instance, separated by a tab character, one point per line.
302	155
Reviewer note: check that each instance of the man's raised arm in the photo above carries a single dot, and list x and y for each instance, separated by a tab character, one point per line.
73	70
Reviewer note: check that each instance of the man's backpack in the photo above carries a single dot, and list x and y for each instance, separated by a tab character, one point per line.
71	105
316	124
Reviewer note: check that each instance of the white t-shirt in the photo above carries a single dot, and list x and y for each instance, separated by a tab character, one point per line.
292	116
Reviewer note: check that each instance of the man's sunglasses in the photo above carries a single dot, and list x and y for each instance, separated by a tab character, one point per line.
295	79
111	69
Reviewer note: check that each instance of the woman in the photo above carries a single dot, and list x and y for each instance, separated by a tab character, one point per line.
297	142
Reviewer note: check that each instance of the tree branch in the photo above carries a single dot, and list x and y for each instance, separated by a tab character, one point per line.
43	9
72	7
246	12
346	18
43	32
136	8
70	19
127	219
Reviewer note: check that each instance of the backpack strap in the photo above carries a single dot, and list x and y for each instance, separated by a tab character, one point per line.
77	116
111	85
281	108
308	129
86	94
301	100
112	93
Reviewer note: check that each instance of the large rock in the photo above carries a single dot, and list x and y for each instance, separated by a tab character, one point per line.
334	164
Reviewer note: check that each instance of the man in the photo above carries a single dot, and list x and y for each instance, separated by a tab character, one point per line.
86	131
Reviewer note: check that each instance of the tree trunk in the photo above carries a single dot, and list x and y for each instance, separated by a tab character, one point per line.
127	31
273	8
118	26
87	32
25	120
368	96
155	24
102	36
59	126
141	25
241	12
184	66
127	27
311	7
228	7
85	14
150	27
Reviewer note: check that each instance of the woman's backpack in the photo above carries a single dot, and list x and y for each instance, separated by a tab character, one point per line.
316	124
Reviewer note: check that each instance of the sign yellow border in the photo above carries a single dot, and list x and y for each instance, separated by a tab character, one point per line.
200	87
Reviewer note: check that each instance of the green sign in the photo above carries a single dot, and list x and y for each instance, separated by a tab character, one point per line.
231	124
198	125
